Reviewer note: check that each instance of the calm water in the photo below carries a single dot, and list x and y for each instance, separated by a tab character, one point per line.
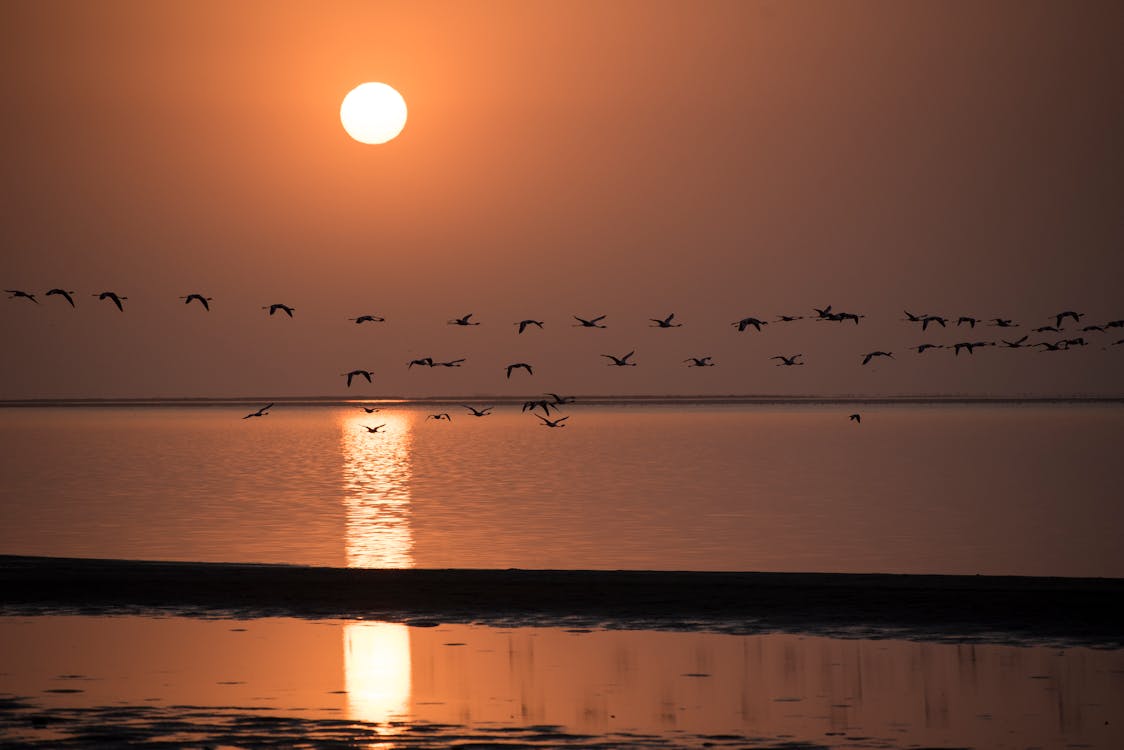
178	679
1027	489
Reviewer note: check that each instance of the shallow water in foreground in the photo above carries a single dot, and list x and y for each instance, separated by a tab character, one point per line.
994	489
280	681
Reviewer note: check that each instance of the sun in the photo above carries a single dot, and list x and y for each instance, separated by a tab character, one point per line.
373	113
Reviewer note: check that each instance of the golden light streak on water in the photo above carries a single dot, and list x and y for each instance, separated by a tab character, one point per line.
376	659
376	481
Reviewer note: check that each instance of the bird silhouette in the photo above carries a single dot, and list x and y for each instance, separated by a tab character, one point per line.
205	301
561	400
699	362
278	306
1060	346
970	346
541	403
1068	314
1015	344
1092	329
1003	323
913	318
368	319
1116	343
665	322
552	422
463	321
450	363
439	417
483	412
1047	329
932	319
357	374
518	365
528	322
856	418
788	361
376	428
114	298
424	362
871	355
370	409
591	323
822	314
921	348
621	361
747	322
260	412
1079	341
788	318
64	294
18	293
967	319
847	316
1115	324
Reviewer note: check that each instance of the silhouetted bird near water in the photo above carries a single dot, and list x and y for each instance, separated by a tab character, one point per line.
370	409
278	306
64	294
1015	344
18	293
424	362
561	400
823	314
368	319
788	318
856	418
552	422
1068	314
439	417
1003	323
376	428
463	321
517	366
482	412
970	345
1047	329
591	323
788	361
621	361
665	322
967	319
921	348
528	322
541	403
114	298
747	322
699	362
204	301
932	319
260	412
1060	346
357	374
871	355
450	363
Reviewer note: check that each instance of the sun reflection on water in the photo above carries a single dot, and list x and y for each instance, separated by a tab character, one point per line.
376	481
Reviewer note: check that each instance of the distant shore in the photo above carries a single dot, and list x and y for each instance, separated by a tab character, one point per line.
963	608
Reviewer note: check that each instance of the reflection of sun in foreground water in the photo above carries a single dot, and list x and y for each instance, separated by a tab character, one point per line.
376	476
376	658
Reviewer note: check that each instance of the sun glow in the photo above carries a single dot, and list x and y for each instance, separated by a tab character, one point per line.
373	113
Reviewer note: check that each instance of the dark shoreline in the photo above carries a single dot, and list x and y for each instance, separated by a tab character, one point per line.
1078	611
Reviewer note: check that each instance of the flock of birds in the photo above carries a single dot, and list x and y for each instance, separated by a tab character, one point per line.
1062	339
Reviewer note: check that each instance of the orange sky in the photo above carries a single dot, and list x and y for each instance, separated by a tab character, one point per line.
713	159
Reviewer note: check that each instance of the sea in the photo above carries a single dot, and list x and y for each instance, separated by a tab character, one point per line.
910	486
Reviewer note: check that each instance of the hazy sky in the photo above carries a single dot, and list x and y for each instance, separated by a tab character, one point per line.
713	159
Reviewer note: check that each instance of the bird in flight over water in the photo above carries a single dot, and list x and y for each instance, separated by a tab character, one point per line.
278	306
856	418
376	428
528	322
967	319
260	412
541	403
64	294
1003	323
1068	314
560	400
357	374
789	318
970	345
202	300
621	361
443	415
17	293
370	409
450	363
367	319
747	322
423	362
517	366
591	323
699	362
665	322
114	298
462	321
1015	344
788	361
482	412
922	347
552	422
871	355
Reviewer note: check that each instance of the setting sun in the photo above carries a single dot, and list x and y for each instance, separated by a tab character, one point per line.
373	113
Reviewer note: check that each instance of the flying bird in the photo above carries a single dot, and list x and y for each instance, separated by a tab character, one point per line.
747	322
1090	329
114	298
591	323
528	322
1068	314
518	365
450	363
1047	329
463	321
541	403
1060	346
913	318
283	308
64	294
1015	344
788	318
202	300
423	362
699	362
665	322
368	319
552	422
788	361
439	417
967	319
621	361
479	412
932	319
376	428
17	293
871	355
822	314
260	412
921	348
357	373
1003	323
560	400
370	409
856	418
970	346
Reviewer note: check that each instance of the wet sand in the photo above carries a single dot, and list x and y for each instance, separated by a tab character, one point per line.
969	608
